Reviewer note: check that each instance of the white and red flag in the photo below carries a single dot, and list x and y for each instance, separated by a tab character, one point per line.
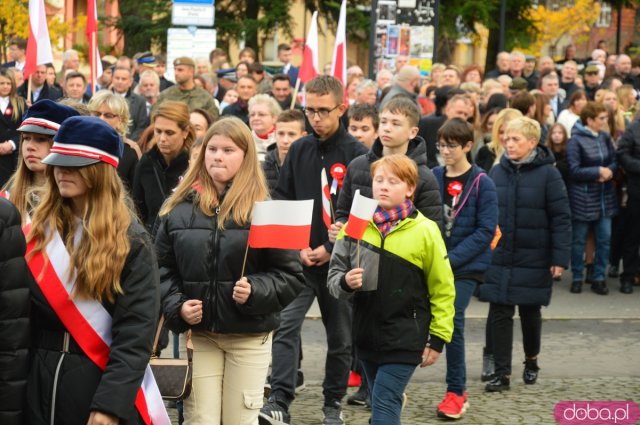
309	66
362	210
327	216
339	63
281	224
39	44
95	63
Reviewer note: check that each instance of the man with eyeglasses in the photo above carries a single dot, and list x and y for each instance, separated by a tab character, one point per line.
331	148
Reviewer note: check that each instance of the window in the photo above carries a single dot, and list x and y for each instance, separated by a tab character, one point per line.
604	20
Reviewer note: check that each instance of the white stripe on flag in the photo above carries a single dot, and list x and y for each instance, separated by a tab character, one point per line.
363	207
284	213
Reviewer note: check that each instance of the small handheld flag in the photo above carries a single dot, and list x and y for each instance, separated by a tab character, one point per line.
360	215
327	215
281	224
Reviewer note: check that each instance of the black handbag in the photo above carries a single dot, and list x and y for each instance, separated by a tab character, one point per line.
173	376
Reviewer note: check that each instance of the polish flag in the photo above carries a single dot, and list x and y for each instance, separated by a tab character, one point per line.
281	224
327	217
95	63
339	64
39	44
360	215
309	66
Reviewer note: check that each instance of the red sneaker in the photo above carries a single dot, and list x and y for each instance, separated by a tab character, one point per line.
453	406
354	379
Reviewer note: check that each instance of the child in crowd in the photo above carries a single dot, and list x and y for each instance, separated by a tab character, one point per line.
470	206
363	123
290	127
401	285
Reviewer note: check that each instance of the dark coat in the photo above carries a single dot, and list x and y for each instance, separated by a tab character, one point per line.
629	158
427	197
271	167
82	386
127	166
535	221
14	317
138	114
474	226
48	92
239	109
485	158
300	177
428	129
154	181
586	153
9	131
199	261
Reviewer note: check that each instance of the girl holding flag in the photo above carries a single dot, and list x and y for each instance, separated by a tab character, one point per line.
231	307
397	272
96	298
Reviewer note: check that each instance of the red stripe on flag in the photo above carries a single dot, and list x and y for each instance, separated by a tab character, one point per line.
279	236
356	227
31	57
326	215
307	71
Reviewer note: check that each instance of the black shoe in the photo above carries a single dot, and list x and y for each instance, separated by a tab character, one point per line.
360	397
274	413
588	273
599	287
614	272
576	287
626	287
498	384
530	374
488	366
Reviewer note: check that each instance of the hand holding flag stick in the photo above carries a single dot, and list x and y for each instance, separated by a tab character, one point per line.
327	204
281	225
362	210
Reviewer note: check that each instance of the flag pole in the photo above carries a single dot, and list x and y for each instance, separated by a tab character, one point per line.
358	253
295	94
29	89
244	262
93	63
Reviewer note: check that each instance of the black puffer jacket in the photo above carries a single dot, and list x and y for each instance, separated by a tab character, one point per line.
427	196
199	261
81	385
629	157
154	181
271	167
14	317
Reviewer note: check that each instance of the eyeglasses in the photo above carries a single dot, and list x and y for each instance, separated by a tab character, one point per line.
443	146
106	115
322	112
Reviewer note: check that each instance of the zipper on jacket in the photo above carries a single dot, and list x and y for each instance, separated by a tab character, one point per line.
65	350
213	282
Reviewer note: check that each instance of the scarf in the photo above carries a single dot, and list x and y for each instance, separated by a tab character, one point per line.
266	135
386	220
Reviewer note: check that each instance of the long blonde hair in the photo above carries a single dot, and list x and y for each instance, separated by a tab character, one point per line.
503	118
99	257
249	185
17	103
22	187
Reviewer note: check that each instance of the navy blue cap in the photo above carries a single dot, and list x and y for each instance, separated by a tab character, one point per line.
83	141
45	117
228	73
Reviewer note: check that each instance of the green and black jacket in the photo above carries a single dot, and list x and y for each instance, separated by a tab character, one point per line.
406	299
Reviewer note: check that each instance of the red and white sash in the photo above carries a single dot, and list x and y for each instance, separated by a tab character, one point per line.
88	322
4	194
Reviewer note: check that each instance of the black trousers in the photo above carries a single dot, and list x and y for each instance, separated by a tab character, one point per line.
501	321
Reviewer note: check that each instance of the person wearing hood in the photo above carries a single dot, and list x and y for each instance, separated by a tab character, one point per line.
534	246
592	164
397	133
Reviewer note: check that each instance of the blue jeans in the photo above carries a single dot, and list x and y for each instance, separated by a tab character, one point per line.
456	367
602	231
387	383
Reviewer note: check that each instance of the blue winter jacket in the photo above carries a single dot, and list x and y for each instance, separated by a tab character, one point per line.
586	153
474	226
535	222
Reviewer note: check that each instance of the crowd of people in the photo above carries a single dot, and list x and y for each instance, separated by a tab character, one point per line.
132	198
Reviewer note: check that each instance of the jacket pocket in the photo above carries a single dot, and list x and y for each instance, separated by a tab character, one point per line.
253	399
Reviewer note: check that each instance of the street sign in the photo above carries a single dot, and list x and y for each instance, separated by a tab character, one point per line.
192	42
200	13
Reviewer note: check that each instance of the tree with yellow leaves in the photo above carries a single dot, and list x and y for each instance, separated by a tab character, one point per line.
575	21
14	22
